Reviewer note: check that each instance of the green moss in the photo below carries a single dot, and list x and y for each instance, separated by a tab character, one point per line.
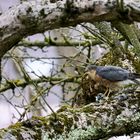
15	126
88	108
41	121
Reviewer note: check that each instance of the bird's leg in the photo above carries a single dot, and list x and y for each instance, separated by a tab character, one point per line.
107	92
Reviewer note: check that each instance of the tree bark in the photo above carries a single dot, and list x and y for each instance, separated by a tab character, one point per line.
29	17
116	116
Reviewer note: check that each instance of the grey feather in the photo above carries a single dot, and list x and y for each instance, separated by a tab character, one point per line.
113	73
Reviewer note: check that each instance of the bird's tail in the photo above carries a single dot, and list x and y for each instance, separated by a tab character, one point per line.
134	77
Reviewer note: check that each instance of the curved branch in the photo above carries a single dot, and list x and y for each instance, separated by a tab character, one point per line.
29	17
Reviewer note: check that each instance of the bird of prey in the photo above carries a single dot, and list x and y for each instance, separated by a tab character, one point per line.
110	76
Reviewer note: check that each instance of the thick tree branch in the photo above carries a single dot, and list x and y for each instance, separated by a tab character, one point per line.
29	18
114	117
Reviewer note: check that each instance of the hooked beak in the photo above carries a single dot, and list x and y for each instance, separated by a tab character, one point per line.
86	73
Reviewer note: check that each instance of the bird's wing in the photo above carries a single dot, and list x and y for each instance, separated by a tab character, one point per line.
113	74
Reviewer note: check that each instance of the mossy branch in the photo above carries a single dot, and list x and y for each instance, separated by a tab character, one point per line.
11	84
113	117
29	18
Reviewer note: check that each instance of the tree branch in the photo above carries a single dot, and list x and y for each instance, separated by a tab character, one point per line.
29	18
53	43
113	117
12	84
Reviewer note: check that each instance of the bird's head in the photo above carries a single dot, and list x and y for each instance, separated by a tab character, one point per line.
91	71
90	68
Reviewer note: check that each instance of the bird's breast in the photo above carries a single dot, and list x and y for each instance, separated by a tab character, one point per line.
106	83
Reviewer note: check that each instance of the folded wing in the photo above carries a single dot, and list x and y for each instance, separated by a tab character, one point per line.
113	73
